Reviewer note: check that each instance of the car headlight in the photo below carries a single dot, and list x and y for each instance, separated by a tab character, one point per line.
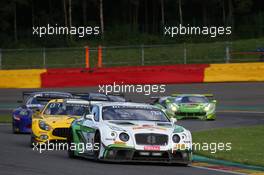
208	107
184	136
176	138
124	137
173	107
16	118
44	126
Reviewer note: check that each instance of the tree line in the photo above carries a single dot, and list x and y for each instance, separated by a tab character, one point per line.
126	19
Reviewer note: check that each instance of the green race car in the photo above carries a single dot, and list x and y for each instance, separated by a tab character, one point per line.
182	106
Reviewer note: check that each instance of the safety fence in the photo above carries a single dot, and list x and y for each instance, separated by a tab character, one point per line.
110	56
169	74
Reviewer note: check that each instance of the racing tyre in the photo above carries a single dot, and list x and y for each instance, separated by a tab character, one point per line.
97	139
14	129
210	119
69	141
32	142
189	161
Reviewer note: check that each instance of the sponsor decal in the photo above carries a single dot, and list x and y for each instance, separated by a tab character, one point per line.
109	139
119	143
42	132
152	148
180	147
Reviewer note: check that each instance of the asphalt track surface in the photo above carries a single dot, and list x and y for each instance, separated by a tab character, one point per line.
240	104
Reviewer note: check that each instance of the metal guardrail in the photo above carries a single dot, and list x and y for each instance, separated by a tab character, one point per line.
185	53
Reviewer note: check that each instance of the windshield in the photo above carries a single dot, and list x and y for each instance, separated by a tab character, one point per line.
133	113
65	109
191	99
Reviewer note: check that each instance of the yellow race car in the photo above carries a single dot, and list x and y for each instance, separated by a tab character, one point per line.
53	122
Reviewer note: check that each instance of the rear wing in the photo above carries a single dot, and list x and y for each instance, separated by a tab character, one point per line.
78	102
118	97
155	99
206	95
88	94
79	94
45	96
116	94
27	93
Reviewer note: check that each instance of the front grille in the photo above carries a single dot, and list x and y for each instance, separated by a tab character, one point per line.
164	156
151	139
119	154
190	105
60	132
190	114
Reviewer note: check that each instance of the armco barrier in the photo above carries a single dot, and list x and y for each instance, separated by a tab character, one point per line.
125	75
234	72
21	78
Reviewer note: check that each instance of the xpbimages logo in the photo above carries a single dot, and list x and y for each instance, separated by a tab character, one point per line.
63	30
211	31
146	89
50	146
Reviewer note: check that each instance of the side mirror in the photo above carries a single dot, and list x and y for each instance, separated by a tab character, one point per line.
89	117
214	101
173	120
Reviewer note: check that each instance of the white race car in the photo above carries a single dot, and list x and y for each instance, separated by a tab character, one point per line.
115	131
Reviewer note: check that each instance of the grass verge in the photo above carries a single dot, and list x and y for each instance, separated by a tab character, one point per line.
246	142
5	119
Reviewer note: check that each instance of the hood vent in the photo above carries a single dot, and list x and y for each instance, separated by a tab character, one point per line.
163	124
122	123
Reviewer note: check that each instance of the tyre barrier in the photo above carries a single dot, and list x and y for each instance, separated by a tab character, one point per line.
234	72
124	75
27	78
170	74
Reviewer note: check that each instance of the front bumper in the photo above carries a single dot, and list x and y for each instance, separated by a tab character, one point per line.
200	115
22	126
118	154
54	135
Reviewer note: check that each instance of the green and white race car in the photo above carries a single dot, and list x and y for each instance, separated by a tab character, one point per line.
182	106
115	131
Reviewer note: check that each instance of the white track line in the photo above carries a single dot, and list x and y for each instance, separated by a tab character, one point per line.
223	171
